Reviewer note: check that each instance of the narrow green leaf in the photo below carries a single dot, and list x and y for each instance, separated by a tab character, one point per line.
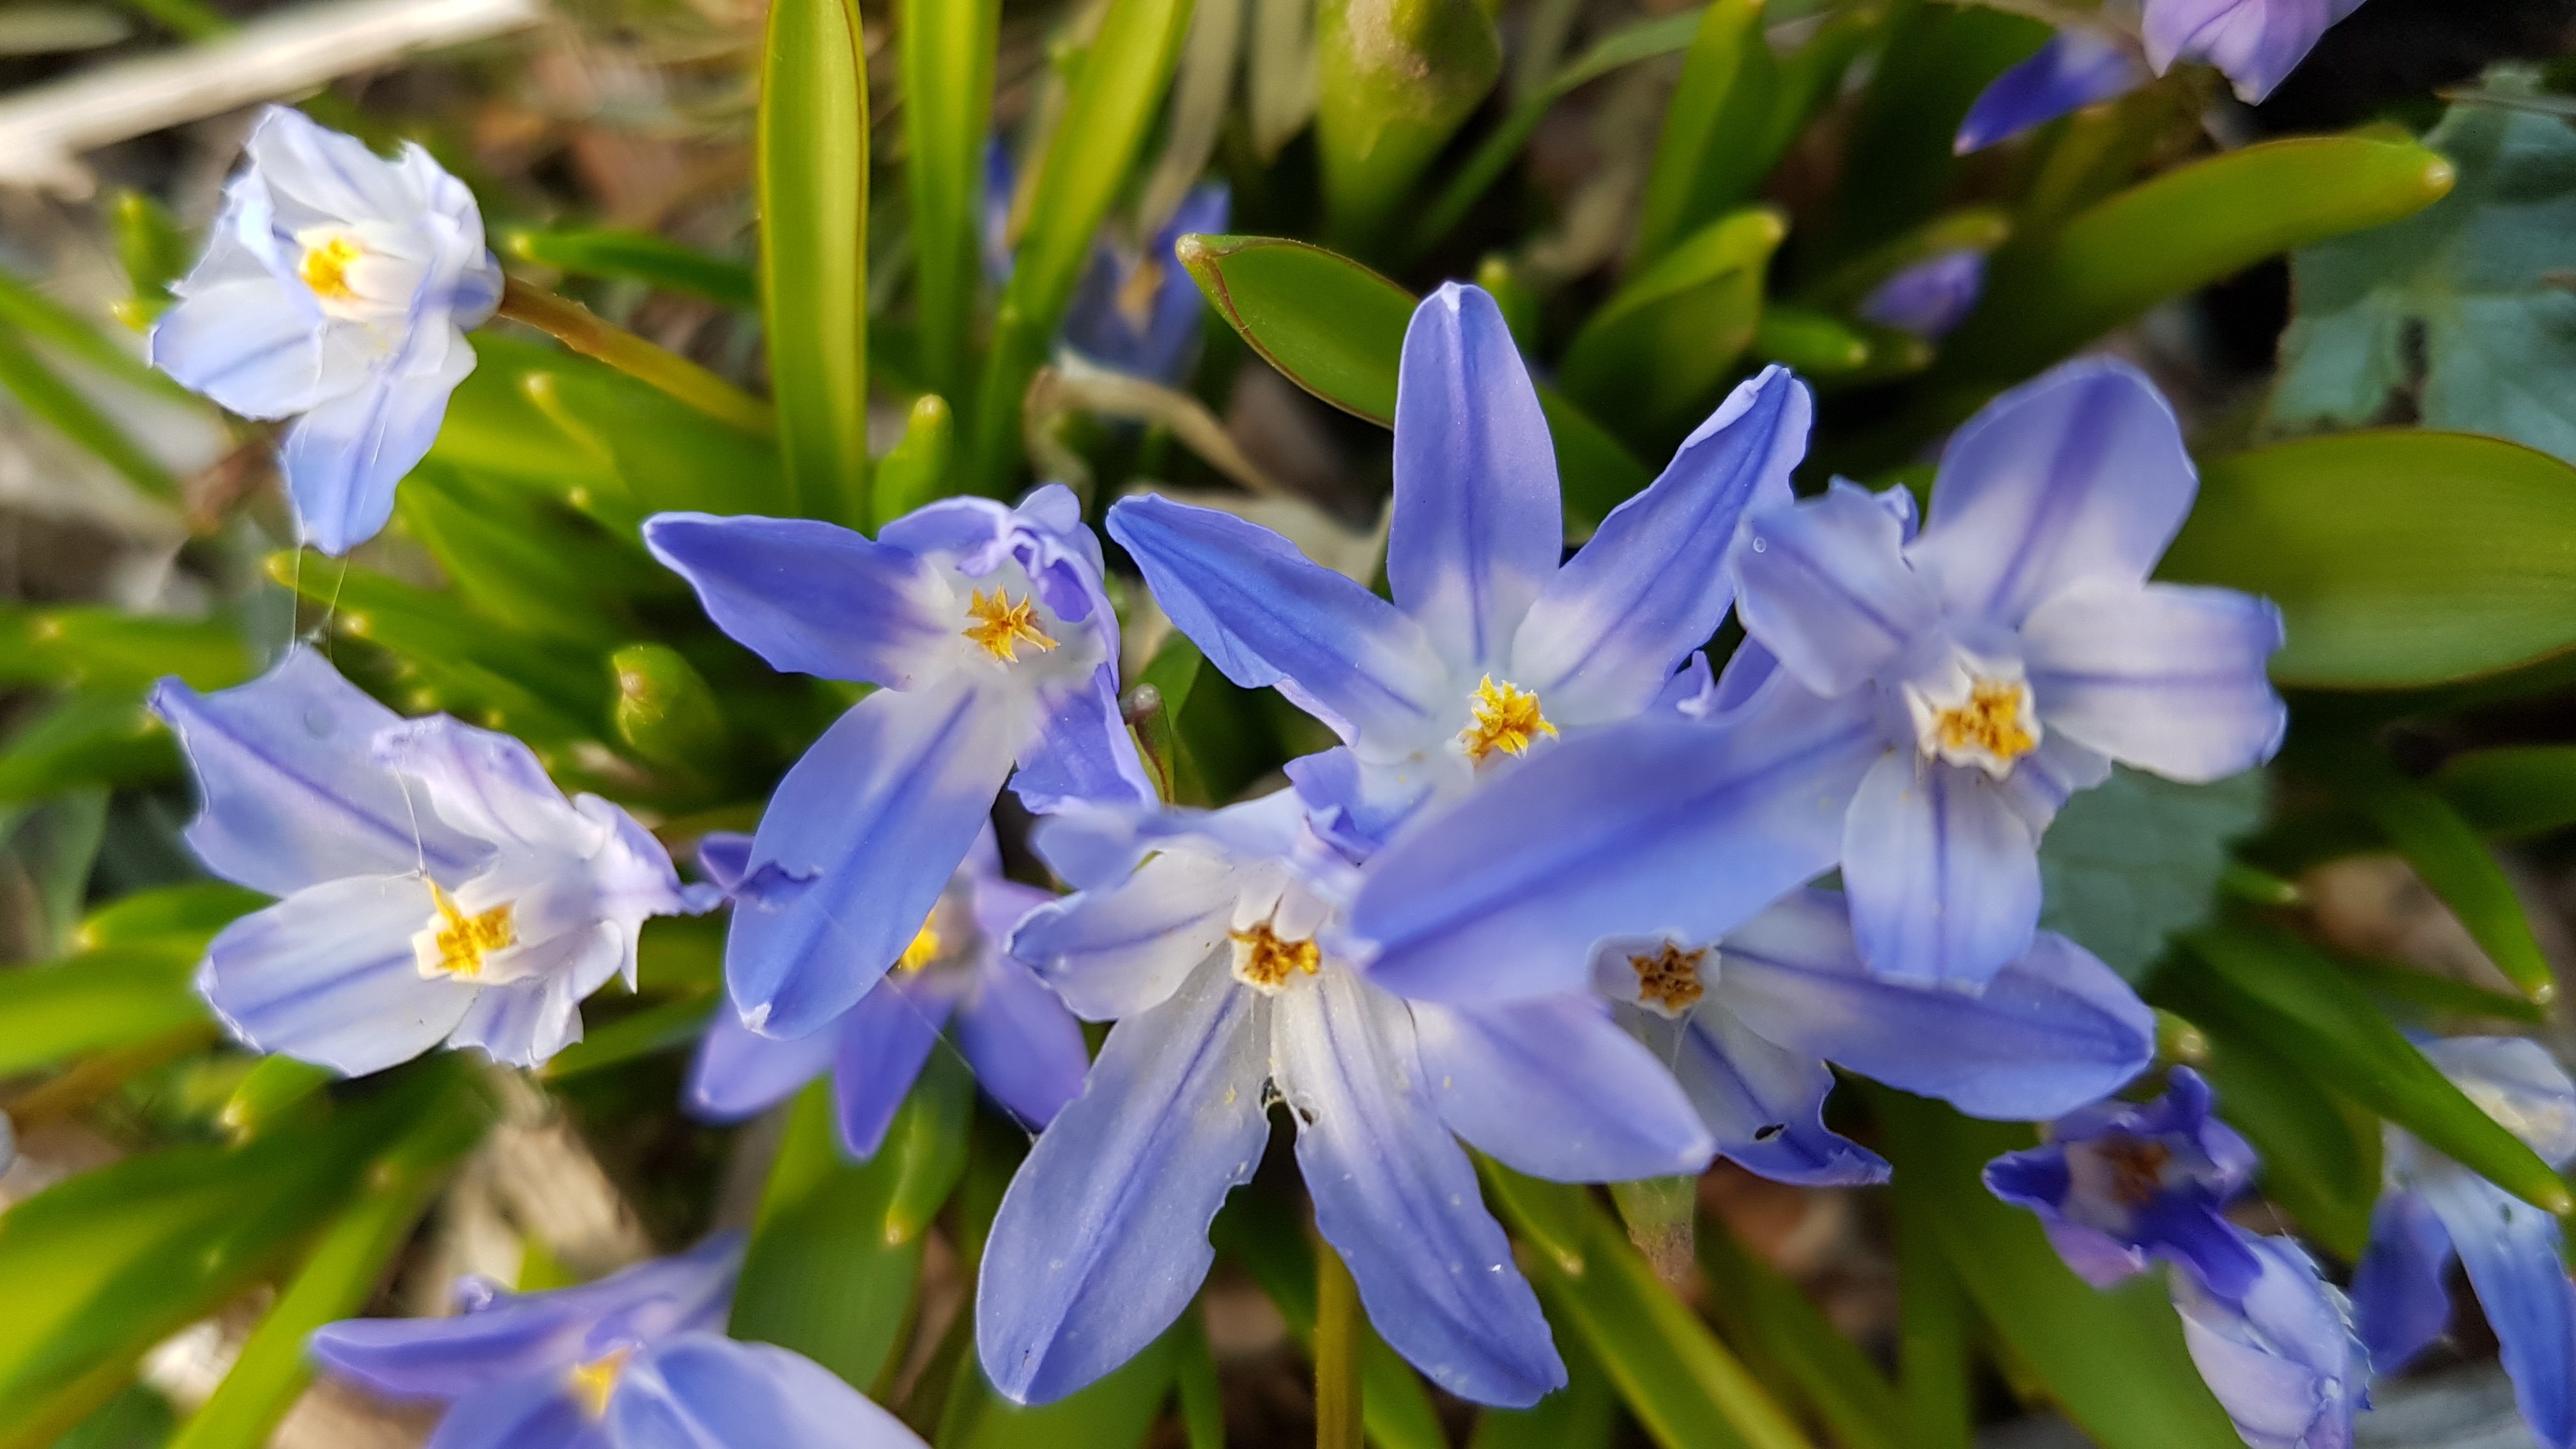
278	1091
2514	791
2398	558
1935	1323
1194	1378
1653	356
2114	1361
1826	1371
91	1002
43	393
506	564
2263	984
1595	470
664	1026
106	738
35	315
1338	1345
1815	344
1115	94
1394	79
1115	1413
1726	81
1898	165
180	918
2450	858
1549	1216
812	172
96	648
2314	1162
634	256
926	1146
947	50
922	467
1582	1415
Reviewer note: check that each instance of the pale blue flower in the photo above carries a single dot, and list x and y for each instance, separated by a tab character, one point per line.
2281	1358
2257	43
438	887
336	289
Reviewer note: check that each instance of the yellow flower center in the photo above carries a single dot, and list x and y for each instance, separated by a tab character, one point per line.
326	267
1002	626
924	948
1994	720
1507	719
1261	959
591	1383
463	941
1669	979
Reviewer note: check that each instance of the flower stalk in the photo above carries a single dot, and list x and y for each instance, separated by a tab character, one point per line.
1338	1335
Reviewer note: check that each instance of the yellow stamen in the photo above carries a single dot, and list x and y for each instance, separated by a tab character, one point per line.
326	268
591	1383
924	948
1507	719
1670	979
1992	720
1262	959
465	940
1002	626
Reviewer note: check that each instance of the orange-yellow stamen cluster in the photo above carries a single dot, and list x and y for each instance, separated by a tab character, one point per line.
924	948
1262	959
1002	626
325	268
1507	719
1670	978
591	1383
463	941
1991	720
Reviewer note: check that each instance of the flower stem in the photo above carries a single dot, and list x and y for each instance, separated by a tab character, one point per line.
1339	1333
577	327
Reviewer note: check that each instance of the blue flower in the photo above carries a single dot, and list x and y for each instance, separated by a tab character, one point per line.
2119	1184
637	1360
2256	42
2281	1358
1914	709
1490	649
438	887
2434	1209
1209	936
1931	297
991	642
1026	1049
1749	1024
2075	69
336	289
1135	312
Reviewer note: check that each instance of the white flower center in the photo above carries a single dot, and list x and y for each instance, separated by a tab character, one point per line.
357	273
457	944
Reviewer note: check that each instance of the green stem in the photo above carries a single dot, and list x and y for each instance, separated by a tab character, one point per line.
1339	1334
577	327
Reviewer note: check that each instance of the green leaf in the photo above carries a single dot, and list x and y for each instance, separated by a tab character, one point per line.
664	1026
1651	359
2398	558
154	249
948	51
91	1002
96	648
2262	984
179	918
2134	861
2461	305
634	256
1828	1372
1582	1415
926	1145
1549	1216
508	563
1115	1413
44	393
2450	858
1115	94
922	467
812	180
2114	1361
2514	791
37	316
1726	83
277	1091
106	738
1394	79
1934	1323
2316	1160
1898	164
664	711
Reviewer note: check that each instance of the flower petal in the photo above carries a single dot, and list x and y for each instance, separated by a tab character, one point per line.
2075	69
1102	1237
1651	586
1084	751
2512	1252
1123	948
2256	42
879	1048
342	459
809	597
2282	1361
1661	825
485	783
705	1391
293	794
2052	1031
2520	1084
1931	297
1478	525
245	343
2162	676
1824	585
737	1072
326	171
1398	1200
1943	873
857	843
328	976
1266	615
1555	1089
522	1023
1026	1049
1764	1104
2401	1290
534	1412
2078	475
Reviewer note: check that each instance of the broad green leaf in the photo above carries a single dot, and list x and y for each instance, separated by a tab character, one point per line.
2513	791
1826	1371
97	648
1652	359
1726	84
44	394
343	1270
105	738
90	1002
634	256
812	180
2135	860
922	467
2398	558
178	917
2459	305
2263	984
2450	858
2316	1161
664	711
947	49
2114	1361
1116	92
1394	79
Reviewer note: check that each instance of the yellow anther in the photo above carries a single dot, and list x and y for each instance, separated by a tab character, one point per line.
924	948
326	268
1002	626
463	941
1507	719
1994	720
1670	978
591	1383
1261	959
